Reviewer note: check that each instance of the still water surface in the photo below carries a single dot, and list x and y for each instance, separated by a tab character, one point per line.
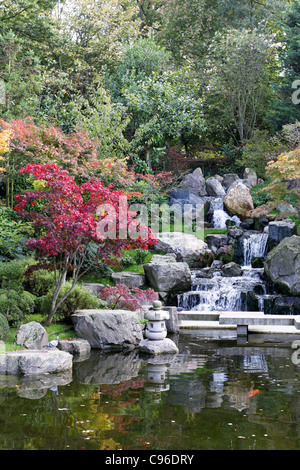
215	394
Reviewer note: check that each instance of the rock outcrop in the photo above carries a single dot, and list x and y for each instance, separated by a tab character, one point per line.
282	265
35	362
238	201
32	335
187	248
109	329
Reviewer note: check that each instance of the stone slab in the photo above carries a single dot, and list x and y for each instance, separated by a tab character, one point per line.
164	346
35	362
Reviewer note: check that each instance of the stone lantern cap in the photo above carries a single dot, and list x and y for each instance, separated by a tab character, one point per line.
156	313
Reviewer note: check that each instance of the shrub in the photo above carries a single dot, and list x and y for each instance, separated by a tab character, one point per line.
14	305
78	299
40	282
120	296
12	273
4	327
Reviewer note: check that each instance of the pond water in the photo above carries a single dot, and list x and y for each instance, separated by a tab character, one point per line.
215	394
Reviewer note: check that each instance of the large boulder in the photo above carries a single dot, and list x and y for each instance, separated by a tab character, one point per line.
214	187
128	278
109	329
278	230
238	201
32	335
187	248
168	276
194	182
282	265
35	362
228	179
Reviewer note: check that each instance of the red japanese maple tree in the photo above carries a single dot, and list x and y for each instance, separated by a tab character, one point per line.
68	217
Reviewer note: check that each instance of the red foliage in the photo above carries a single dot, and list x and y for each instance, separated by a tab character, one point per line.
175	161
68	213
121	297
75	152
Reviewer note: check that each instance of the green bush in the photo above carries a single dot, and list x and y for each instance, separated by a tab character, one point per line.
14	305
78	299
13	235
41	281
4	327
12	273
260	197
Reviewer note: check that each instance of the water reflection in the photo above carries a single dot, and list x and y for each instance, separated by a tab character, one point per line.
213	394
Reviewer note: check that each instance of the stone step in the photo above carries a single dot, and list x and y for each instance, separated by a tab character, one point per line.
198	316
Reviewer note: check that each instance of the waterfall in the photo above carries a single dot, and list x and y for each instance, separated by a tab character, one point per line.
254	246
221	293
219	215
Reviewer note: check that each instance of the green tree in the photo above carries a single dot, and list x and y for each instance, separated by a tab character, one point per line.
286	105
240	67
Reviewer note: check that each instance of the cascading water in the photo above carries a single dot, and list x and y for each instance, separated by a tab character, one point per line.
214	292
219	215
220	293
255	246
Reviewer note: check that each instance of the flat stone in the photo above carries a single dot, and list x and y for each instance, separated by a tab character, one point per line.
129	279
74	346
152	347
93	287
35	362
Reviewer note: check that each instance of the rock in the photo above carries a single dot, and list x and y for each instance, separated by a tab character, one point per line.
167	258
219	178
282	265
168	277
35	362
163	346
225	253
108	329
278	230
130	279
286	208
216	240
93	287
239	201
172	322
194	182
257	262
74	346
251	175
231	270
32	335
214	188
235	232
228	179
247	183
247	224
187	248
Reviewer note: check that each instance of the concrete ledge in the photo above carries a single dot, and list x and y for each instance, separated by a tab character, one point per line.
255	318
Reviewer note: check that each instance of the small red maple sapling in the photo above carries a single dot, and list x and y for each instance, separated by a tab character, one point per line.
68	217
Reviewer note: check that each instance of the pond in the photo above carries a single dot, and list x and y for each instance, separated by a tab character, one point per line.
216	394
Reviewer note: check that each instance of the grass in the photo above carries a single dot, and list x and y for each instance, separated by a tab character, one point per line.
63	330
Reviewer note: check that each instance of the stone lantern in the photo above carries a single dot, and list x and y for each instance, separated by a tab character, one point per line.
156	332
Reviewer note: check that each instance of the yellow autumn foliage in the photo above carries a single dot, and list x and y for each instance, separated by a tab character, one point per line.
286	167
4	144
